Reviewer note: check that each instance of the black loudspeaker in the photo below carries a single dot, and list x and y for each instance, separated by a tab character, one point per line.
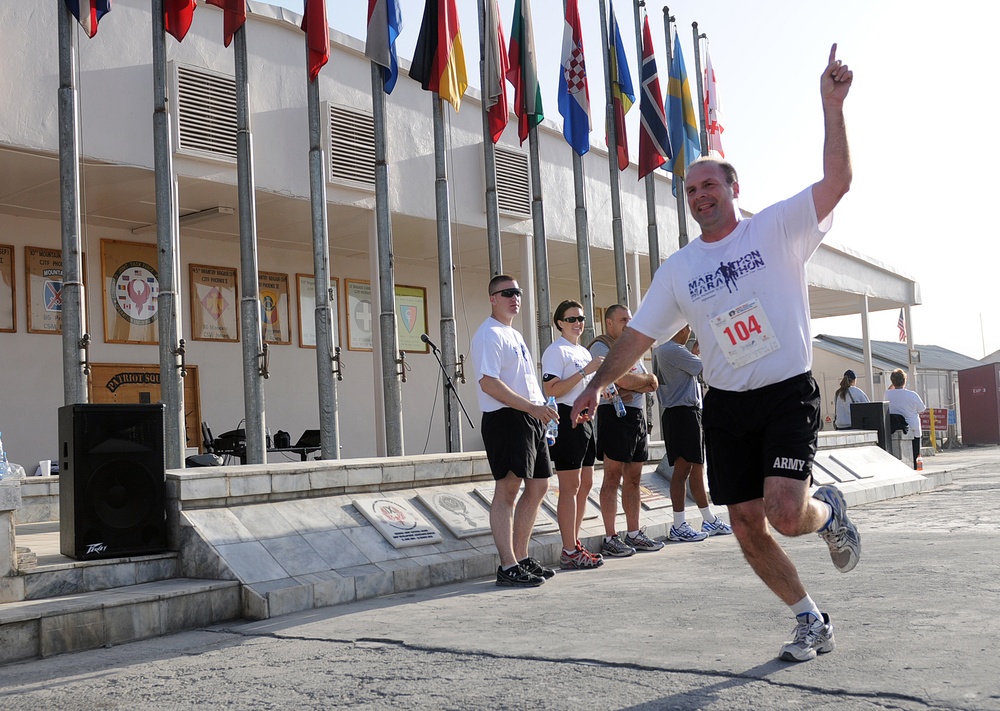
111	481
873	416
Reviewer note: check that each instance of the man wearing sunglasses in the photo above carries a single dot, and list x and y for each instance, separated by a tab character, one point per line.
742	286
513	427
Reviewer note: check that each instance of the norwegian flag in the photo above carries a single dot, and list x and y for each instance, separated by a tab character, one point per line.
901	325
654	143
713	109
89	13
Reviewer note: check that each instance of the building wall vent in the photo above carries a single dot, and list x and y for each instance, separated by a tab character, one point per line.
205	113
513	182
351	147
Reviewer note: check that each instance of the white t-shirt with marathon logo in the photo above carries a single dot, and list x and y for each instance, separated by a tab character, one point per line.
745	296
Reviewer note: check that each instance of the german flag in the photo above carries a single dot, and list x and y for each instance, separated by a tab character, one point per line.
439	61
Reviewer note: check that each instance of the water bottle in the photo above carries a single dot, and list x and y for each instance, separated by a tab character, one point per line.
4	467
552	428
616	400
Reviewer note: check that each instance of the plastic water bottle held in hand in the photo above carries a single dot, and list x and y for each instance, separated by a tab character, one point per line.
552	428
616	400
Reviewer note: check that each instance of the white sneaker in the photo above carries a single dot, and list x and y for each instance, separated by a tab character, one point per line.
685	534
812	636
842	537
718	527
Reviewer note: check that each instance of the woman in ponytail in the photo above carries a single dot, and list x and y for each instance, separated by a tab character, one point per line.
847	393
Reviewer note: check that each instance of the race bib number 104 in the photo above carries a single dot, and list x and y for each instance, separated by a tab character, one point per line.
744	333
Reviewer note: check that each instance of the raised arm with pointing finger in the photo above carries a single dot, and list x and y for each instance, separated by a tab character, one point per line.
836	181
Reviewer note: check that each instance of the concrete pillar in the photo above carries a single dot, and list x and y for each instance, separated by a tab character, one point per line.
11	586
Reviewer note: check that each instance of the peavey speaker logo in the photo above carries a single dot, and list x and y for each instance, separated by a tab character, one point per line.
96	548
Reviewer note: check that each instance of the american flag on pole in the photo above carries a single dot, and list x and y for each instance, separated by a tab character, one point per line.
901	325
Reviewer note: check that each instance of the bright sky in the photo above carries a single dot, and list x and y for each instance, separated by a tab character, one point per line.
921	83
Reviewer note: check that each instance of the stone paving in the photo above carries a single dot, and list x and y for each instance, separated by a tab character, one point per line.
689	627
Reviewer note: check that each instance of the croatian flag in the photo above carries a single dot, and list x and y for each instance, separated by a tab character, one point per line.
89	13
574	94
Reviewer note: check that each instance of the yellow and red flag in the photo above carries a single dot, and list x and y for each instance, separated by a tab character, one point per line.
439	60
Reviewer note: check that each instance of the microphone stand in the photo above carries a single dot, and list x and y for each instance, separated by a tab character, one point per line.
448	382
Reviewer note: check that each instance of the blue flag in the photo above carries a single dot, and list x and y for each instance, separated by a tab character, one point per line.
680	116
384	25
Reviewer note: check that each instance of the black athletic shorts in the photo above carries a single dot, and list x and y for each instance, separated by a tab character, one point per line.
574	447
622	439
515	442
770	431
682	434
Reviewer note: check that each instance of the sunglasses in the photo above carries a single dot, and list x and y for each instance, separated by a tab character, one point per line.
507	293
574	319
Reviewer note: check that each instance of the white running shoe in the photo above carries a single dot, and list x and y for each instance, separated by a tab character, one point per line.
718	527
841	536
685	534
812	636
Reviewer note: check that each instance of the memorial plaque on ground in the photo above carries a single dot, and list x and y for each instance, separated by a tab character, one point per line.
551	501
458	511
543	524
397	521
652	498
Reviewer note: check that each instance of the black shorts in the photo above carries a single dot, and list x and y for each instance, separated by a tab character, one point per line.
682	434
574	447
622	439
770	431
515	442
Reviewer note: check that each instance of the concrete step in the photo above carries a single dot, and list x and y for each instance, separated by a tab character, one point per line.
72	578
89	620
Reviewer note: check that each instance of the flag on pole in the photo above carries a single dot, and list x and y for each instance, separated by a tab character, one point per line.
438	59
574	93
654	143
89	13
523	72
713	109
683	125
384	25
233	19
622	93
496	67
901	325
317	35
177	17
